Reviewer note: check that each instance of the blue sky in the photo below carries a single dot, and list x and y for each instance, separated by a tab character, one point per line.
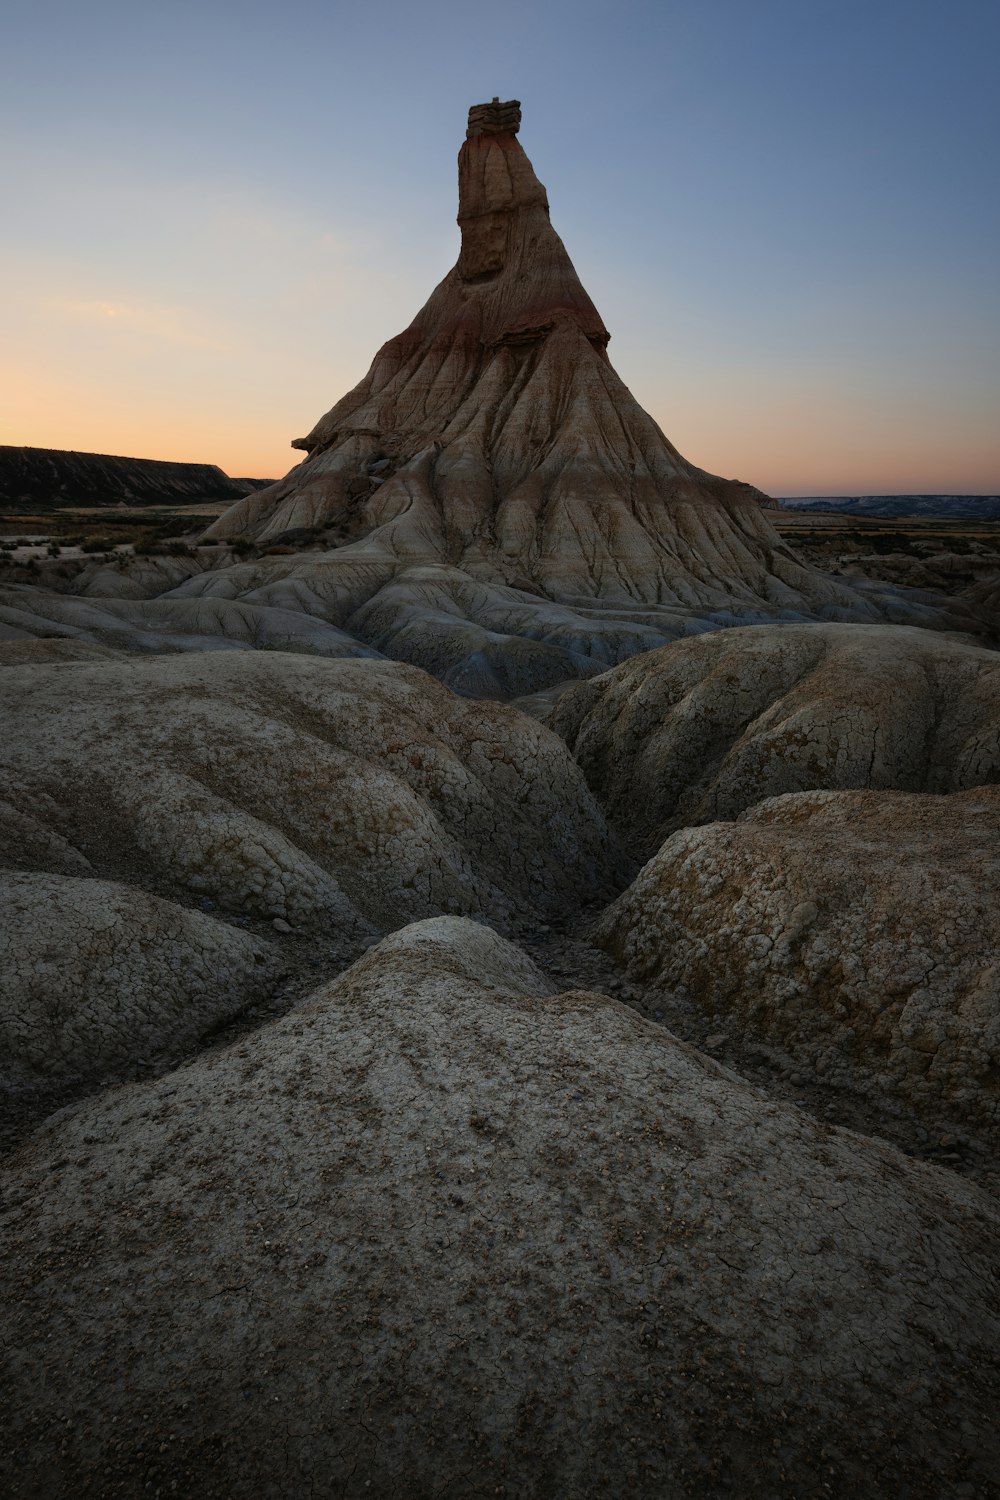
787	214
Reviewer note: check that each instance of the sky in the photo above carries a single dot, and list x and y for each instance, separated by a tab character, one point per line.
785	210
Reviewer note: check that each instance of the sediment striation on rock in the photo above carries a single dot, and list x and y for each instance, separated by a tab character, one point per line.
121	613
856	929
493	459
494	436
489	503
704	728
441	1230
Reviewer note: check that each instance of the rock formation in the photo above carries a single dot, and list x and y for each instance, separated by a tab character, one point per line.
442	1231
856	929
493	435
708	727
493	460
439	1229
490	503
354	793
120	614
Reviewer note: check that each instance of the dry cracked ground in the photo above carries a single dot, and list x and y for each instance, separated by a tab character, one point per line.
407	1097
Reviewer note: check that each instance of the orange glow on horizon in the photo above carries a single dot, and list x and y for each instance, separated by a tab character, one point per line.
129	376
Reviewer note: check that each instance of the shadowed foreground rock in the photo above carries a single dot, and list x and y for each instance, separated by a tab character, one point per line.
704	728
96	977
440	1231
856	929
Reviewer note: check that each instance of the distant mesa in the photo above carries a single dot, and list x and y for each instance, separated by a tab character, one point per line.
956	507
48	478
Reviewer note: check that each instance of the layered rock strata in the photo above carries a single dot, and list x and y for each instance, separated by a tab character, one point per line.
492	451
483	640
441	1230
489	503
493	435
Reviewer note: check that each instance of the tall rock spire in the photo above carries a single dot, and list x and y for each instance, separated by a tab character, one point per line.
494	436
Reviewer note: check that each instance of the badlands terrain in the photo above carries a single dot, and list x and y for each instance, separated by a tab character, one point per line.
501	981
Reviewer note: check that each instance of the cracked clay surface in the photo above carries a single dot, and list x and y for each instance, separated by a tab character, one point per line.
443	1231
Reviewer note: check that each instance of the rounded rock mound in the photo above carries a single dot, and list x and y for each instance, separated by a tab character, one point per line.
97	977
707	727
443	1231
857	930
346	797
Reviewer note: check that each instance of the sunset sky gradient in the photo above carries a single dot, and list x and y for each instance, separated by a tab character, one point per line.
786	212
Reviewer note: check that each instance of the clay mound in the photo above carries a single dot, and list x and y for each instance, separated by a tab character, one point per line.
855	929
342	797
488	641
984	599
442	1232
482	640
138	576
96	976
707	727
